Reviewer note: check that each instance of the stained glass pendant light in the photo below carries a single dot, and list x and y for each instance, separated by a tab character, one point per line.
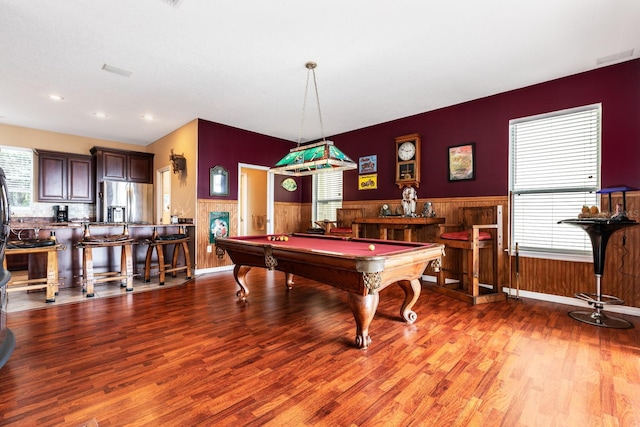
313	158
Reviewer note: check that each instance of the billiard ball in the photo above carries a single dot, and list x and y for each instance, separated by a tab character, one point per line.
372	247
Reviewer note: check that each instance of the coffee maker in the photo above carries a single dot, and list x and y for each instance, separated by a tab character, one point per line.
61	213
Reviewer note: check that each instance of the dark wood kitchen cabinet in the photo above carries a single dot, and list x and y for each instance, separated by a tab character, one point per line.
122	165
65	177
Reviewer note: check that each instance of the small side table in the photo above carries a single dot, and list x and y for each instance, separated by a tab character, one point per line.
599	231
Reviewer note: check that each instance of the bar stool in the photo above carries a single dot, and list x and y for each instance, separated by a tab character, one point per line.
157	243
124	275
48	246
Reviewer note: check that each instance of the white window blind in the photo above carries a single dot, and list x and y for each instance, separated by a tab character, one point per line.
327	195
555	170
17	164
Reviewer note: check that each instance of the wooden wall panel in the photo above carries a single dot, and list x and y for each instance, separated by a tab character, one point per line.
286	220
563	278
206	259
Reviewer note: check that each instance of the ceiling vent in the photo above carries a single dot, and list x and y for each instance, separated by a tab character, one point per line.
174	3
615	57
115	70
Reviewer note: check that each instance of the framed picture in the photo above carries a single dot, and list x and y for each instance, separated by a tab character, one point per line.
218	225
368	164
368	182
218	181
462	162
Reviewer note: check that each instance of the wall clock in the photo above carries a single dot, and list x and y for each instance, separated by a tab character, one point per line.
408	160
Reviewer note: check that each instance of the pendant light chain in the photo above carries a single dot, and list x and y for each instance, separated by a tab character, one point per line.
315	84
311	68
304	106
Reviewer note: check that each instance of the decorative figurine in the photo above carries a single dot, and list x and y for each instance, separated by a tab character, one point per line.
427	210
409	199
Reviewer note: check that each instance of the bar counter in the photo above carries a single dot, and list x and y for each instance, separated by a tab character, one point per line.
70	259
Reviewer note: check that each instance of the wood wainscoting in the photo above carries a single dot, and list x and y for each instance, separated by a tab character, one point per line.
287	220
561	278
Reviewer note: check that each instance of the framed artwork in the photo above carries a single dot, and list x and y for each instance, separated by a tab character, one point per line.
368	164
218	225
462	162
368	182
218	181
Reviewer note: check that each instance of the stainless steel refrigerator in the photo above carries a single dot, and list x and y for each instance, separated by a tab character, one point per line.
136	199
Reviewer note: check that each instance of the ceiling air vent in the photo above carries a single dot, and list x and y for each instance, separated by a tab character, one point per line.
174	3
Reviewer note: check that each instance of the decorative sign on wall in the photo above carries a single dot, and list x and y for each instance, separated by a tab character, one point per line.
462	163
368	182
368	164
218	225
289	184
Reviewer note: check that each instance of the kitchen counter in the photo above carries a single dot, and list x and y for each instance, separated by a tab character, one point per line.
70	233
46	225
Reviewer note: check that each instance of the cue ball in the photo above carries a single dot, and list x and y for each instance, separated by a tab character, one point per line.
372	247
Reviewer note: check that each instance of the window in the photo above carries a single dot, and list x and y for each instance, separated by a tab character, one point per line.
17	164
554	171
327	195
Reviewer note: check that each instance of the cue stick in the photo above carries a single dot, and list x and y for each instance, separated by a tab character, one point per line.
517	272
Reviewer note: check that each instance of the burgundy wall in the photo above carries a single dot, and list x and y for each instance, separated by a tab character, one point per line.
486	122
227	146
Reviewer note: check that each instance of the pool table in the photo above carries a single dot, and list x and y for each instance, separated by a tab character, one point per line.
350	264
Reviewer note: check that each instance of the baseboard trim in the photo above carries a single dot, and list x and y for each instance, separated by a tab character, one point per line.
622	309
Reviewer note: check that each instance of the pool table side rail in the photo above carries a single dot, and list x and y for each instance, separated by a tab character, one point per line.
338	270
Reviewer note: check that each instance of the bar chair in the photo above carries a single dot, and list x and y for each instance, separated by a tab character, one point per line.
157	244
124	275
480	230
344	221
35	246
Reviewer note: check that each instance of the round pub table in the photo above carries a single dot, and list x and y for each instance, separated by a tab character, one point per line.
599	231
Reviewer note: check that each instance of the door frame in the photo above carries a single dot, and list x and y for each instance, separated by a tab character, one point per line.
160	193
270	205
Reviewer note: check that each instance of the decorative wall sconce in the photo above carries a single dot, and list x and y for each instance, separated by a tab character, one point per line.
178	162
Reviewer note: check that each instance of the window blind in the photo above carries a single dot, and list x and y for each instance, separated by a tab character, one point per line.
327	195
17	164
555	170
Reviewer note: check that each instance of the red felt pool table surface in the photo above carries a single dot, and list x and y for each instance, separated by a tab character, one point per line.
333	245
344	263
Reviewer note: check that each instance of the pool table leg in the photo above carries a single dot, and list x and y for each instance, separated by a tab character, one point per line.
239	273
364	308
288	277
411	294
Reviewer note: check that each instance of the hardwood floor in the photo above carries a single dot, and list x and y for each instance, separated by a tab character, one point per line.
195	355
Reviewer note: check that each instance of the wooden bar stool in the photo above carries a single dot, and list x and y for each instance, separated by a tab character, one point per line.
29	247
124	275
157	243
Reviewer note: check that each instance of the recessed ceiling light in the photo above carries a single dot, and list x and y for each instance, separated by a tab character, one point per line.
55	97
148	117
100	115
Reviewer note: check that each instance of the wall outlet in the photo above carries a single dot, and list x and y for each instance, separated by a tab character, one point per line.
209	249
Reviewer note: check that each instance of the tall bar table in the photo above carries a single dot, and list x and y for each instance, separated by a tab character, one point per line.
599	231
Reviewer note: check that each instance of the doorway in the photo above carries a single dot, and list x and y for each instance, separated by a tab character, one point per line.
255	200
163	202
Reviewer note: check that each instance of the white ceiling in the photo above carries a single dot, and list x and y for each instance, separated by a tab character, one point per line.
242	62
